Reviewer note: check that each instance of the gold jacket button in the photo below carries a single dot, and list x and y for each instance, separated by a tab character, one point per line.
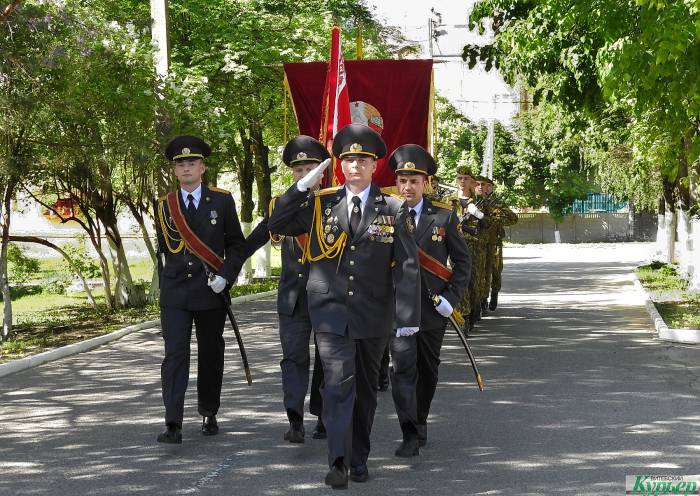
350	293
301	275
299	260
189	275
352	262
352	278
352	248
189	263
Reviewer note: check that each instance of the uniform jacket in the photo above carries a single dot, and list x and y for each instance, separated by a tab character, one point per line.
373	286
183	281
294	275
437	235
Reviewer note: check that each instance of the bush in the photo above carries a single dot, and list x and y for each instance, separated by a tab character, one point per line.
20	266
88	266
55	286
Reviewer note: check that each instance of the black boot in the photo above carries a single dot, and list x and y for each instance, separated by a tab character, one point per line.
319	431
484	307
171	435
493	303
295	434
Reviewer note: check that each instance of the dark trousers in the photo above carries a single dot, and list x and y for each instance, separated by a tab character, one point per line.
315	400
351	370
295	333
176	325
416	359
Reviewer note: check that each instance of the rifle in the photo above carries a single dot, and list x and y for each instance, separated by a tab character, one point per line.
436	300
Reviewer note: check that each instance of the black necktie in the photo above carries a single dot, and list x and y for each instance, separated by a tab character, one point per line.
356	215
413	215
191	209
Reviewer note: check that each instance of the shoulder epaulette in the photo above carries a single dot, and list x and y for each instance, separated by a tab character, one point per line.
327	191
219	190
440	204
163	198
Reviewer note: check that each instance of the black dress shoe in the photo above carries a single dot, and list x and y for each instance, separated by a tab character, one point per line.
337	477
319	431
359	473
295	434
171	435
209	426
493	302
407	448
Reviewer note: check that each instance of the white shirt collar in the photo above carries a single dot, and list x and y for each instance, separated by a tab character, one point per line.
197	193
364	194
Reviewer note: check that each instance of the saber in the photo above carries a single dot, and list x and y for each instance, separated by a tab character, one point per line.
236	331
436	300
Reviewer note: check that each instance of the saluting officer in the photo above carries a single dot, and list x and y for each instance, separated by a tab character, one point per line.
363	283
195	224
302	154
416	357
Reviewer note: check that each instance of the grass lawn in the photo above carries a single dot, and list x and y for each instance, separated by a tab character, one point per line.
668	291
43	320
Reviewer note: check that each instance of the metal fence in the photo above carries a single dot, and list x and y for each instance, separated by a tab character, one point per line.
583	228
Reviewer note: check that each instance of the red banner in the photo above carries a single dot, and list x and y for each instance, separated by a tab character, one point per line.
391	96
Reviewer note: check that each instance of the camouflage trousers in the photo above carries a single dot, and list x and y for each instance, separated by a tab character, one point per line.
472	297
497	267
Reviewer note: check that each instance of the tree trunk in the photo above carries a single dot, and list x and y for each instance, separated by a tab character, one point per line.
125	294
660	227
245	181
264	187
557	233
44	242
8	190
631	228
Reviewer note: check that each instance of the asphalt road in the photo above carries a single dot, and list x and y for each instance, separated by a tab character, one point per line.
578	395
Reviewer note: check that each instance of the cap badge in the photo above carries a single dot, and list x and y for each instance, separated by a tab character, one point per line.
356	147
301	156
409	165
185	151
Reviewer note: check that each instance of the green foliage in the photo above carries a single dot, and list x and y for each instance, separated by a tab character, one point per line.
625	70
460	141
21	267
86	265
545	167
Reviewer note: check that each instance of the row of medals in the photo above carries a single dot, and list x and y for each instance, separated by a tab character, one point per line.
381	230
438	233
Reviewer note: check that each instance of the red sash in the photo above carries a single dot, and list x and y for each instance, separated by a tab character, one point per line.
301	241
434	266
192	241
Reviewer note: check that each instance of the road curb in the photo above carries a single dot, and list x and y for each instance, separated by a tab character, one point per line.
685	336
25	363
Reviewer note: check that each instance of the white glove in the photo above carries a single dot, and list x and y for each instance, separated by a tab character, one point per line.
217	284
444	308
406	331
471	208
312	178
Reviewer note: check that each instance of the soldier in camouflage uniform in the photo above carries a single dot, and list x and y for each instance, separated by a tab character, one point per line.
470	224
500	216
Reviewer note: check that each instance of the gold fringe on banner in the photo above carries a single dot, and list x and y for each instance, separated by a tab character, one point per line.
432	118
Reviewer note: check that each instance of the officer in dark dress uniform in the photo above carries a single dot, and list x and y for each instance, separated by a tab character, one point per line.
416	357
363	283
188	293
302	154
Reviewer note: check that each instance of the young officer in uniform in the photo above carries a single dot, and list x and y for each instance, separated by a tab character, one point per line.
416	357
363	283
302	154
194	223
